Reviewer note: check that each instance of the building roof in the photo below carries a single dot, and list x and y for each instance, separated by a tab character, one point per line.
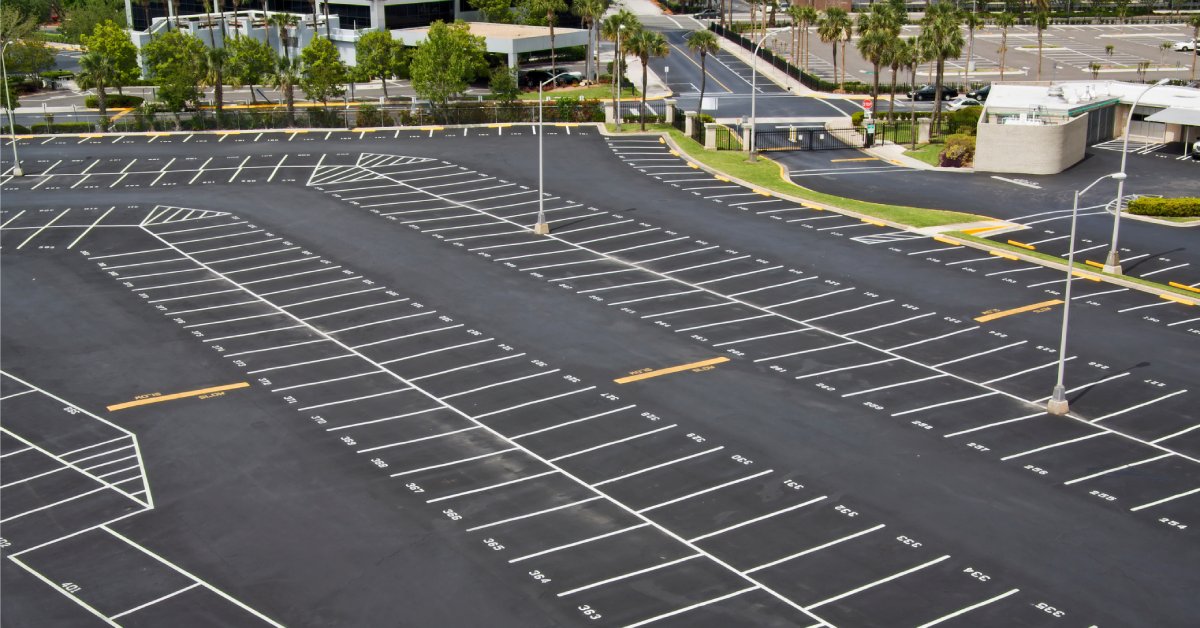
1074	97
506	38
1177	115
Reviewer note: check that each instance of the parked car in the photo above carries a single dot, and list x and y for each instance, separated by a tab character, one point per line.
980	94
962	101
708	14
1184	46
926	92
533	78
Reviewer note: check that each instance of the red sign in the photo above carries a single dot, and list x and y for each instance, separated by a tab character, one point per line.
867	104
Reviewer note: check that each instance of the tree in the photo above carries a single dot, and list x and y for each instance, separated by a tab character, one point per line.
831	26
877	29
322	72
548	8
504	84
1041	21
620	25
96	72
176	62
1194	22
806	16
28	56
590	11
645	44
83	17
498	11
250	61
973	23
941	38
283	23
702	43
284	76
15	24
379	56
446	61
1005	21
111	42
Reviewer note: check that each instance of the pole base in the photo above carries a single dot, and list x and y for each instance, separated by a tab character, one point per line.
1112	264
752	157
17	172
541	228
1057	407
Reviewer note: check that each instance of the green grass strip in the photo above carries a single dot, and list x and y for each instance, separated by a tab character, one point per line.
767	175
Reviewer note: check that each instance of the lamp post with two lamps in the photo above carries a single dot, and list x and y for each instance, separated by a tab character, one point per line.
12	125
754	85
541	227
1112	264
1057	404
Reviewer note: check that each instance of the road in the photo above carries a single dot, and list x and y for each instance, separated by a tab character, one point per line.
677	409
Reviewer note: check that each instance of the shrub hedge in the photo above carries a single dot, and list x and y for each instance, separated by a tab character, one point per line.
63	127
1186	207
114	100
959	151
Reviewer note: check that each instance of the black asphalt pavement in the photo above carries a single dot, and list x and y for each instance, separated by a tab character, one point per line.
692	404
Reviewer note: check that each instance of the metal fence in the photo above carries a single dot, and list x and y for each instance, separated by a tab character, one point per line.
815	138
565	110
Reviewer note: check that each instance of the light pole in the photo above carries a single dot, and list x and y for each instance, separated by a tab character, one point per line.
541	227
12	125
1112	264
617	75
1057	404
754	85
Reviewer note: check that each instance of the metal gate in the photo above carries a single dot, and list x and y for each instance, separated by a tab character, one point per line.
818	138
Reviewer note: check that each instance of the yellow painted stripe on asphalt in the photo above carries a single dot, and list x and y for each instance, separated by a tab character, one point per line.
693	166
432	128
674	152
90	135
834	161
669	370
229	132
1182	286
761	192
873	222
499	126
981	229
720	178
124	112
566	124
182	395
1004	255
662	141
945	240
1017	310
1171	297
1083	276
1023	245
297	132
1091	263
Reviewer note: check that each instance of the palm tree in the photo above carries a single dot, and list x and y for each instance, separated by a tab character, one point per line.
1005	21
896	56
590	11
808	17
620	25
215	59
1194	22
549	8
877	29
1041	20
284	78
831	25
702	43
942	39
911	55
645	44
283	23
146	14
973	23
237	23
97	71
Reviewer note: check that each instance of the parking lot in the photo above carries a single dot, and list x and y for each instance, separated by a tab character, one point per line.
680	442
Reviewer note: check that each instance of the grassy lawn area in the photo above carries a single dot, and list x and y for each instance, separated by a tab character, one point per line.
929	153
767	175
600	92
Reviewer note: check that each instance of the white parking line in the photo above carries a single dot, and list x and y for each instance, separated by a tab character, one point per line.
386	418
989	425
815	296
685	609
657	466
1118	468
242	257
757	519
853	309
155	601
752	272
578	543
536	513
896	385
1089	385
530	403
651	298
326	381
354	309
1140	405
793	353
420	439
465	366
381	322
1053	445
572	422
846	368
719	323
35	233
753	338
624	285
878	582
968	609
403	336
705	491
611	443
329	298
218	237
772	286
195	296
252	333
89	229
1165	499
815	549
288	366
630	574
1179	433
454	462
503	383
492	486
1028	370
911	318
985	352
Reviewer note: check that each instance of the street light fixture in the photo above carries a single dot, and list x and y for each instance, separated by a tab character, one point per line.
541	227
754	85
1112	264
1057	404
12	125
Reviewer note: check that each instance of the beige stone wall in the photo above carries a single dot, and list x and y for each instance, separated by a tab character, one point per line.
1030	149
